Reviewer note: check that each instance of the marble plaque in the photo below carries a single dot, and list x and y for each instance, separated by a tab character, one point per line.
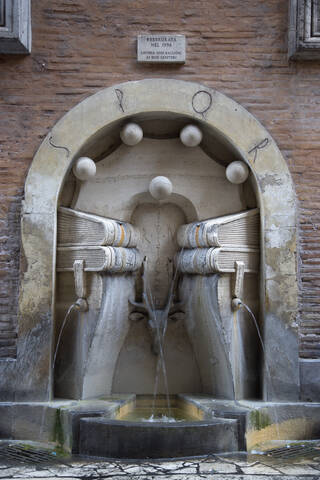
161	48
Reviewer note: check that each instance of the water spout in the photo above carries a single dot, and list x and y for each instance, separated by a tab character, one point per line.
236	304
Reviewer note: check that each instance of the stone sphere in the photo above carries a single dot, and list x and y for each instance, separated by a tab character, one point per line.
237	172
160	188
191	135
131	134
84	168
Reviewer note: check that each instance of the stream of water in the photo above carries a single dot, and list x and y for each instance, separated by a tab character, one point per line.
248	309
160	320
72	307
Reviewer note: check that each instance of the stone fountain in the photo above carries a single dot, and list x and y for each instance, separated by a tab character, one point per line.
153	211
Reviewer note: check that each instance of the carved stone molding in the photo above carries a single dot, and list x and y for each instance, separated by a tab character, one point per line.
304	30
67	141
15	26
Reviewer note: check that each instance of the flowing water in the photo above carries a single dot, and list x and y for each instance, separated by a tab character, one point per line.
160	318
158	414
161	331
265	361
74	306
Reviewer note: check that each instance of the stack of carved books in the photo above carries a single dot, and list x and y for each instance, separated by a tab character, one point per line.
103	243
215	245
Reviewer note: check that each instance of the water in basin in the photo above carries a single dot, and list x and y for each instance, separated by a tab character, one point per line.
148	409
148	414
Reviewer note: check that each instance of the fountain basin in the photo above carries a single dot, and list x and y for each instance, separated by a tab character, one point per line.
123	439
128	437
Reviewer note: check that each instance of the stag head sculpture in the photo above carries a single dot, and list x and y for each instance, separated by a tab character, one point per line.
157	318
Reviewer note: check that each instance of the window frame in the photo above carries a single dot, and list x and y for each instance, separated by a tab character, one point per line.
15	26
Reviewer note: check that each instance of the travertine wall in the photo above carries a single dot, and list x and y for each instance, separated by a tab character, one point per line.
239	48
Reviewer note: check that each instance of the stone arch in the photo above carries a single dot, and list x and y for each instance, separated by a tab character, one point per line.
80	127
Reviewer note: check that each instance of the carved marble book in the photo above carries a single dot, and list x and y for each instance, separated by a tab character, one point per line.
99	259
214	260
236	229
79	228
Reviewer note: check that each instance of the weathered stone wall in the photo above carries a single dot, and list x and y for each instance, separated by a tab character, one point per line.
239	48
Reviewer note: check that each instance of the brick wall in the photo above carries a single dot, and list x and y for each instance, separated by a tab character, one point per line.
239	48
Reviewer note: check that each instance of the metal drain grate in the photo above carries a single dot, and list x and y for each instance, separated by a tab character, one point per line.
26	455
292	451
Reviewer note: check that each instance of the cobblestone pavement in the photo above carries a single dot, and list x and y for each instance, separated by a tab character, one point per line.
215	467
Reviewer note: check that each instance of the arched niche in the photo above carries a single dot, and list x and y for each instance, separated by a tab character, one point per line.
236	134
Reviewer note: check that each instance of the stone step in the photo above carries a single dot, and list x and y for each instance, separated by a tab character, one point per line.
108	438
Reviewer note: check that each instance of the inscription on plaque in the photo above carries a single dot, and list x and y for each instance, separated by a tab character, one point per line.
162	48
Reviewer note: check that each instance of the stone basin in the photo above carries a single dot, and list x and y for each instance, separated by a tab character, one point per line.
129	438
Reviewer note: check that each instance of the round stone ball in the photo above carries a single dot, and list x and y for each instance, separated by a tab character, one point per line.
84	168
237	172
131	134
160	188
191	135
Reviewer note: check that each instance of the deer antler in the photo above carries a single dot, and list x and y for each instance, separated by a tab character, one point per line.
144	306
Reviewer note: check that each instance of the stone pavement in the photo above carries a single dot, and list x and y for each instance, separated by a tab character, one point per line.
215	467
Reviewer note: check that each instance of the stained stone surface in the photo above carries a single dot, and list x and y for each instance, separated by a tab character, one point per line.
30	376
121	439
